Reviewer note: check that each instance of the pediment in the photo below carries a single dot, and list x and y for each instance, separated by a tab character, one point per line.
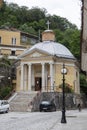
36	54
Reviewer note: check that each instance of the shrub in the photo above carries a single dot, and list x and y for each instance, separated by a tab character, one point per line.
68	88
5	91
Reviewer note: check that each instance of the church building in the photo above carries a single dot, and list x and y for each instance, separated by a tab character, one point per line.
39	67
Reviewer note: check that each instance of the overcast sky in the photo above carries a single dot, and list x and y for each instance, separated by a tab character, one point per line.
70	9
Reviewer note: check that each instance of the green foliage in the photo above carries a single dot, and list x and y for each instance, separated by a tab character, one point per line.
68	88
60	23
83	83
34	20
4	92
27	28
5	71
18	16
71	39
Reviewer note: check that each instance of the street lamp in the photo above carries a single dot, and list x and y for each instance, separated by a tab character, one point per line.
63	71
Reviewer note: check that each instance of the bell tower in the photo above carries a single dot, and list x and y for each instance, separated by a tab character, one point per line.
48	35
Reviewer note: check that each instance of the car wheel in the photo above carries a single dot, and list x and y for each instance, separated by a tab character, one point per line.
54	109
7	110
40	110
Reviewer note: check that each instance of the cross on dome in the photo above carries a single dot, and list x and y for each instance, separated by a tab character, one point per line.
48	23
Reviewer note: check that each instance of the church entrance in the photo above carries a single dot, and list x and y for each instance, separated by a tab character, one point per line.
38	83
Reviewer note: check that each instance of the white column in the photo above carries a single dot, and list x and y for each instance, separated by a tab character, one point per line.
75	85
29	77
22	76
75	81
51	76
25	77
33	78
78	85
43	76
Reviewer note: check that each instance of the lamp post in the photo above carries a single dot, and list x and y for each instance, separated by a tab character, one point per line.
9	81
63	71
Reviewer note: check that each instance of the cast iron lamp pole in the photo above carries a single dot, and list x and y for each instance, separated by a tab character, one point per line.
63	119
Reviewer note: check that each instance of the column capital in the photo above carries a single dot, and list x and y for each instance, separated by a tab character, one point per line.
43	63
51	62
22	64
29	64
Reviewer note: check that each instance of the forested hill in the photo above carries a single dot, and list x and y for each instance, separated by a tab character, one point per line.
34	21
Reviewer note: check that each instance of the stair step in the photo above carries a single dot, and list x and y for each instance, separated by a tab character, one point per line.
21	101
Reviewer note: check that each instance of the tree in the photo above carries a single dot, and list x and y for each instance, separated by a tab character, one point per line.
83	83
28	29
34	19
71	39
5	76
5	68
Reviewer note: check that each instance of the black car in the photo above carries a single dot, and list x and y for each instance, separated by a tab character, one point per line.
47	106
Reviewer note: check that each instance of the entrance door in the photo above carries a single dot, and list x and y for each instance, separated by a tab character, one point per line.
38	82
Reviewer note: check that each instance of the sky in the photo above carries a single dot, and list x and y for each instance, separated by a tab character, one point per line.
70	9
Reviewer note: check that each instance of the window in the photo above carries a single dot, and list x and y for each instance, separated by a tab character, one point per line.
0	40
76	74
24	39
12	52
13	41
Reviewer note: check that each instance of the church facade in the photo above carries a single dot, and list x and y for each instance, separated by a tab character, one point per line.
39	68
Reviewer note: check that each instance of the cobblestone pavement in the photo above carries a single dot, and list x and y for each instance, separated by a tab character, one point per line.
43	120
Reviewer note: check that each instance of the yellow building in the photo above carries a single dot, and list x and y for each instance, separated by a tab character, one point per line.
13	42
39	68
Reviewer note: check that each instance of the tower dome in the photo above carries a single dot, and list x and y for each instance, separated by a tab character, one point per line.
51	47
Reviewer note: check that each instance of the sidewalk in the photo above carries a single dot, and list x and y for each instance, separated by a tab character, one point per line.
75	121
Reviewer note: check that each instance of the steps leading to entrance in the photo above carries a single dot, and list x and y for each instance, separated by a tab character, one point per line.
21	102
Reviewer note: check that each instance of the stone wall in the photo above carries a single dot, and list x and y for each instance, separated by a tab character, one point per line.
72	100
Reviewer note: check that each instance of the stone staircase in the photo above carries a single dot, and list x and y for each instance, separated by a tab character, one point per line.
22	101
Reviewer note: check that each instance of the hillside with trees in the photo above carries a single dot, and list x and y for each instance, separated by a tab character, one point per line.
34	21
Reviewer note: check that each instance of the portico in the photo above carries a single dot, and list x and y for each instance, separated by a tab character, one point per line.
33	79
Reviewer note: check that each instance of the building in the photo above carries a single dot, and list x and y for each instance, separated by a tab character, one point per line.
1	3
84	36
39	67
13	42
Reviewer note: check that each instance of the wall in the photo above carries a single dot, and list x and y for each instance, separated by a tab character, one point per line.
71	99
7	36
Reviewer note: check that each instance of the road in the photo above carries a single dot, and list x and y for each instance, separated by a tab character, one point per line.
43	120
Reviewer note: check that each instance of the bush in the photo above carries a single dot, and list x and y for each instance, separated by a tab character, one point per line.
68	88
4	92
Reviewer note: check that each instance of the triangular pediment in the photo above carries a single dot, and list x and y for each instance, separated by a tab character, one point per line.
36	53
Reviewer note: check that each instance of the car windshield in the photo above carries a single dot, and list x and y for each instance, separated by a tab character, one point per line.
3	102
45	102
